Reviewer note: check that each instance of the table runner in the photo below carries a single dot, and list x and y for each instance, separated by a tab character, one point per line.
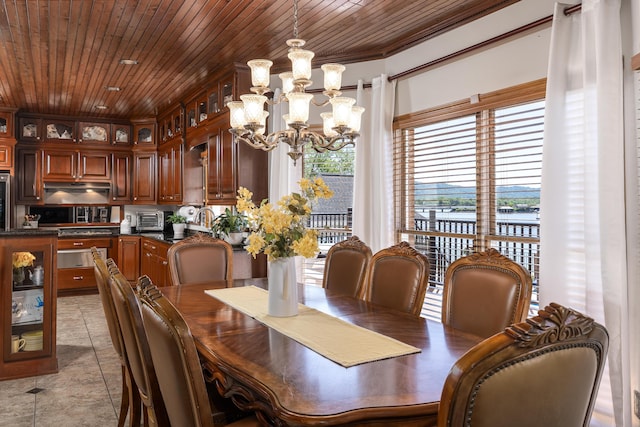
333	338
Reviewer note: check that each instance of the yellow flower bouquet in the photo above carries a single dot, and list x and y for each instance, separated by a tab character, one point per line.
23	259
280	230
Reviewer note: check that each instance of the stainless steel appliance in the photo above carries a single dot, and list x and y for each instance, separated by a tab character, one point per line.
78	258
5	201
151	221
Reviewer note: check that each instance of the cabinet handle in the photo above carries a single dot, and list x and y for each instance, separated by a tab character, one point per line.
78	277
164	262
78	244
135	198
114	142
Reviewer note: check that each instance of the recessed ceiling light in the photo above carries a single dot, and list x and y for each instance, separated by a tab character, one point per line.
101	107
128	61
112	88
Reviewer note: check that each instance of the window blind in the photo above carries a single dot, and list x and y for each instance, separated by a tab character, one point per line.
467	177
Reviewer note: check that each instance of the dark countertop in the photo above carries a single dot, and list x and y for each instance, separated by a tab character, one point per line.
168	238
28	232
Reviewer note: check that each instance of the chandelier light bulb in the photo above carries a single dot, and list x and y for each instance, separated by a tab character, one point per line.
332	76
301	63
236	114
327	125
260	72
299	106
286	119
342	110
356	118
253	107
287	81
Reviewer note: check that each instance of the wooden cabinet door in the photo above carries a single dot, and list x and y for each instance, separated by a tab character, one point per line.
60	165
28	171
59	131
170	173
144	135
222	167
144	177
30	129
95	133
129	257
6	156
121	188
6	124
94	166
120	134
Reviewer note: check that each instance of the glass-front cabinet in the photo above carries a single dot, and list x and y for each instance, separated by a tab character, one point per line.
29	306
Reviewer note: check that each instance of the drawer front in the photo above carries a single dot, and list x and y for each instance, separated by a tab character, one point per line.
84	243
76	278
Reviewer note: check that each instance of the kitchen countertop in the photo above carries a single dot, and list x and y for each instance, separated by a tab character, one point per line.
28	232
168	238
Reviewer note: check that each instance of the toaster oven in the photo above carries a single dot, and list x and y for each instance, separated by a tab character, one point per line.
151	221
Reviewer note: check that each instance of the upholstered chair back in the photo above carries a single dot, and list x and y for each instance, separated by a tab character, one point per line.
484	293
200	258
398	277
137	347
130	401
345	268
175	358
542	372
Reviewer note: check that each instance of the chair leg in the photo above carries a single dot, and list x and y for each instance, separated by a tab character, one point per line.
135	402
124	400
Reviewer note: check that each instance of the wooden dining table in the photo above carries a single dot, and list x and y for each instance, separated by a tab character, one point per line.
288	384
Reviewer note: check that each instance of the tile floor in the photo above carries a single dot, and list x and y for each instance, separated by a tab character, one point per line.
86	390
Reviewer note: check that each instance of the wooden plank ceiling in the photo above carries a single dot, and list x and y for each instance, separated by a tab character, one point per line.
58	56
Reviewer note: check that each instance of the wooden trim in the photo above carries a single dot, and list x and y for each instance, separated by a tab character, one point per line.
522	93
635	62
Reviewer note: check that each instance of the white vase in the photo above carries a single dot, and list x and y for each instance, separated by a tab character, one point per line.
234	238
283	288
178	230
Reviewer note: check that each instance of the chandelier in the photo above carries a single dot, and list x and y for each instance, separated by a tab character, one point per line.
248	117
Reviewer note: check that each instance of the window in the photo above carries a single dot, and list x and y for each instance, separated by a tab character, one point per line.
331	217
467	178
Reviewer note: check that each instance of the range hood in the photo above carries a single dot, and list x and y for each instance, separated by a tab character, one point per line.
77	186
79	193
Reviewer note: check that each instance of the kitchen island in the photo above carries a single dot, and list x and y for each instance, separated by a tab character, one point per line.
28	300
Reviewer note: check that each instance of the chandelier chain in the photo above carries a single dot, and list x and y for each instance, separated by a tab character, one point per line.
295	19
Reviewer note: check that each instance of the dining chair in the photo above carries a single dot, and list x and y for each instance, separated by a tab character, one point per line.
485	292
130	399
177	363
136	347
398	277
200	258
345	268
542	372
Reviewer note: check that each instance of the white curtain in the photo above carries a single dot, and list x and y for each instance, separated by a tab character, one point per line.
283	175
583	233
373	178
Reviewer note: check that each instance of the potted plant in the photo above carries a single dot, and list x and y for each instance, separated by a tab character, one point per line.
230	226
179	223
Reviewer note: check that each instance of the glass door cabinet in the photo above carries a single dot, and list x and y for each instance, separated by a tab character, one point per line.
29	306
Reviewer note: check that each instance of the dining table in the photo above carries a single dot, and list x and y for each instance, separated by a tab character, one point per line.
286	383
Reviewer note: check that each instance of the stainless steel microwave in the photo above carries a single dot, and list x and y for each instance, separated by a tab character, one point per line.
151	221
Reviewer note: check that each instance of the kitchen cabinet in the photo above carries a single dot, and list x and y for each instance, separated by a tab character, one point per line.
232	164
153	261
121	184
57	130
30	129
76	165
75	263
144	133
28	299
144	177
171	125
129	257
96	133
6	156
170	173
6	123
29	182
